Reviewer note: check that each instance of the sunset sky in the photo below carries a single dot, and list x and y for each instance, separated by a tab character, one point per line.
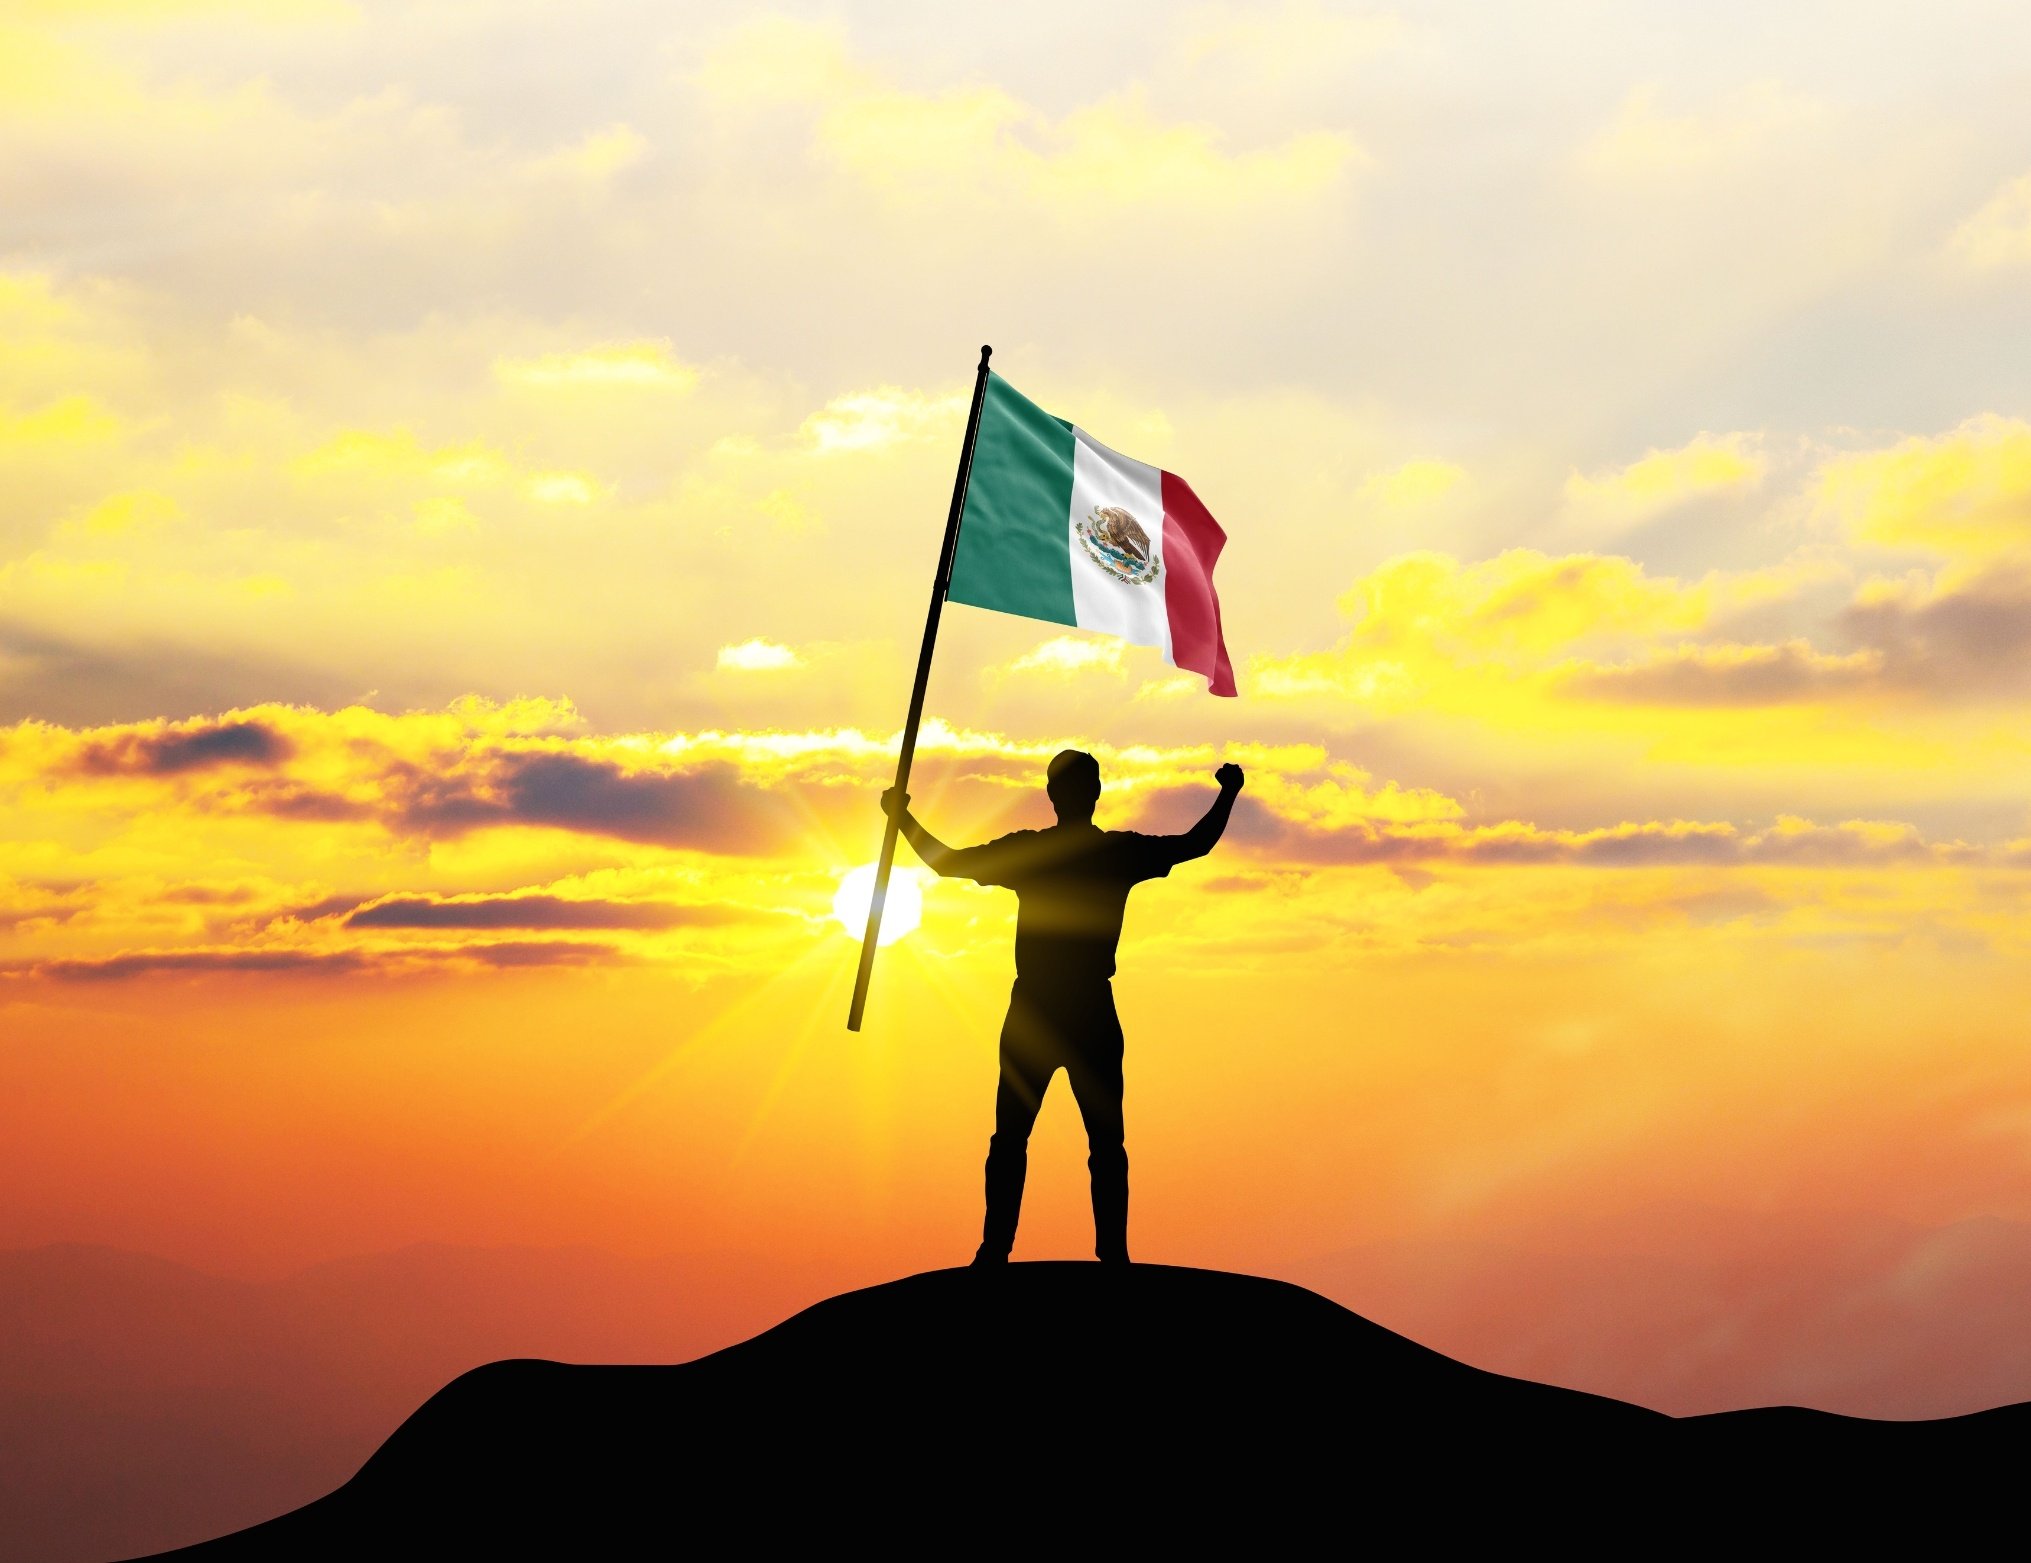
472	473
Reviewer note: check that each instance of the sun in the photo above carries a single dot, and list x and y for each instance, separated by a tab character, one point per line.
903	910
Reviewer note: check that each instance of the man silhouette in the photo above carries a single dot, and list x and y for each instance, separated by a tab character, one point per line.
1073	882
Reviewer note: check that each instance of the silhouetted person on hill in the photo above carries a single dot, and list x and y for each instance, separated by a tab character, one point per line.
1073	881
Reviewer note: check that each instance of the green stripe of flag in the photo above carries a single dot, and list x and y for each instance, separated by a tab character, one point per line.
1014	550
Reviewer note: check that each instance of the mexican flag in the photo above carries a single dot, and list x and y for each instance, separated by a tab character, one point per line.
1058	527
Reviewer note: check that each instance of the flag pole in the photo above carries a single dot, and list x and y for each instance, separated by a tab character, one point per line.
909	750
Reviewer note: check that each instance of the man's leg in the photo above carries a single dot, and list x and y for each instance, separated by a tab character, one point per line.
1095	1074
1026	1069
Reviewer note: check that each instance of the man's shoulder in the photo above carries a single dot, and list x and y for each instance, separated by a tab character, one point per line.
1141	855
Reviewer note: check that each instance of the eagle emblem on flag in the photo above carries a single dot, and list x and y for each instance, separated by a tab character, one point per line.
1115	540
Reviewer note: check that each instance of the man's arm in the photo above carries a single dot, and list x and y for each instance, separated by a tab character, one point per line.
938	857
1202	837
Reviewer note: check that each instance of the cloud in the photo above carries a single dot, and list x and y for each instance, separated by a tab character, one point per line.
1296	44
1420	619
250	962
535	911
1788	842
526	823
475	783
757	656
1645	142
398	453
1071	654
148	963
710	808
166	749
1795	840
67	426
1731	675
980	145
1112	154
874	420
600	155
1969	637
561	488
1964	495
647	365
170	11
1414	484
778	59
1999	234
443	775
520	953
1654	483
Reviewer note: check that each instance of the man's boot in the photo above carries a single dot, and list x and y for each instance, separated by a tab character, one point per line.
1008	1165
1109	1172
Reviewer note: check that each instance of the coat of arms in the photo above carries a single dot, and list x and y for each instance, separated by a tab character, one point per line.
1115	540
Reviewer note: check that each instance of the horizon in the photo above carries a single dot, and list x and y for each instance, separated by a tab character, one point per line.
474	473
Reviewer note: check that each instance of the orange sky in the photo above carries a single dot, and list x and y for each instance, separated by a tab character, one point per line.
472	476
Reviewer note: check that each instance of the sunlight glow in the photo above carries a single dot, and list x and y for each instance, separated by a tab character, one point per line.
902	912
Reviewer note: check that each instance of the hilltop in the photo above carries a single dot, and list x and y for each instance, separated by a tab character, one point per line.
1152	1404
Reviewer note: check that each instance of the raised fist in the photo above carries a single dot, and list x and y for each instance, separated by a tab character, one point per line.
894	802
1229	777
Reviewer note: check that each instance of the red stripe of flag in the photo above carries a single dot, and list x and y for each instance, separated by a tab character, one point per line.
1192	544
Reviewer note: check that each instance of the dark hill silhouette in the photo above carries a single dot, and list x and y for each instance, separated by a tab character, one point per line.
146	1405
1044	1403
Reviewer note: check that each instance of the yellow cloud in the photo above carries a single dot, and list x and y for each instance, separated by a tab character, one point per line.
1660	479
1644	142
64	341
41	73
982	143
120	515
600	155
1114	153
1548	658
1422	620
778	59
399	453
885	416
646	365
1277	46
1964	495
1999	234
757	656
444	515
1729	674
1521	602
561	488
178	10
1414	483
29	301
62	425
1117	152
1071	654
278	837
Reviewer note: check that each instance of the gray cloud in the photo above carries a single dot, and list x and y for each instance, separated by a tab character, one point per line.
149	963
1649	844
711	808
144	963
175	750
1973	640
537	911
1731	676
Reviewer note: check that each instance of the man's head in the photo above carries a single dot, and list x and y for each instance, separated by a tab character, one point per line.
1073	781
